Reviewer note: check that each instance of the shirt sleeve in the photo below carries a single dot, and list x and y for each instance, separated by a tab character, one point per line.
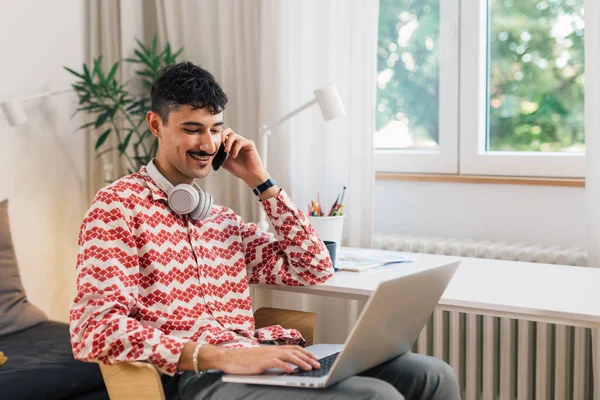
295	256
107	288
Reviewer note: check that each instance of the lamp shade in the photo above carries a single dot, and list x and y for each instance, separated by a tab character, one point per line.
15	115
330	102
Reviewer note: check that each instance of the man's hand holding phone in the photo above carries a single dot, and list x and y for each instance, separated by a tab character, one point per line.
243	161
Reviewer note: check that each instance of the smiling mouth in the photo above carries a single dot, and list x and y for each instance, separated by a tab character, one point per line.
197	157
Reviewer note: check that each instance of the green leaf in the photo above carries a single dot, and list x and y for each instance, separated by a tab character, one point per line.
86	73
177	54
123	99
123	146
138	103
116	107
132	60
92	108
153	50
112	71
102	138
144	48
147	73
86	125
97	68
103	81
102	118
75	73
79	88
143	137
92	104
165	53
143	57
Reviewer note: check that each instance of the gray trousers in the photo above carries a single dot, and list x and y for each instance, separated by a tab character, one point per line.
409	376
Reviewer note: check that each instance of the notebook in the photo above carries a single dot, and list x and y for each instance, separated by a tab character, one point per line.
359	260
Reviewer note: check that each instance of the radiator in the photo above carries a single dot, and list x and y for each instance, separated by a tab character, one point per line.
503	358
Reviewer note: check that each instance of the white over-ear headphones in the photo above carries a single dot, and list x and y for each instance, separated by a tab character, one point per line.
184	199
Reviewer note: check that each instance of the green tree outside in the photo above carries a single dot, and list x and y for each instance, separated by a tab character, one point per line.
536	60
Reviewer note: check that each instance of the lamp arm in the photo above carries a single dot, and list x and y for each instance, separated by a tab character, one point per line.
290	115
265	130
45	94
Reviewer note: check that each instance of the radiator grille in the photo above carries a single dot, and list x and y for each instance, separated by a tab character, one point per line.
503	358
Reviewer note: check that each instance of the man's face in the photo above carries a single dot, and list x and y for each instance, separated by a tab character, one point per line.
187	142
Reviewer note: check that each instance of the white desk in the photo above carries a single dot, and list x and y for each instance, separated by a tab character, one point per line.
536	292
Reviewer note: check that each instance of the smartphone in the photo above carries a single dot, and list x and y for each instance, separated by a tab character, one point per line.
219	157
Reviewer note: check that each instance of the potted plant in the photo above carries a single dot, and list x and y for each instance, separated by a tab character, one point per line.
116	110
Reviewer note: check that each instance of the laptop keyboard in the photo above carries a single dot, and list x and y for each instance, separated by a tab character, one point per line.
326	364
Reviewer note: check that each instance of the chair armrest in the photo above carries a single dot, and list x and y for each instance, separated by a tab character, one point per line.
132	381
304	322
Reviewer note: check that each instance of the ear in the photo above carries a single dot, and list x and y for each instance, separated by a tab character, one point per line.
155	123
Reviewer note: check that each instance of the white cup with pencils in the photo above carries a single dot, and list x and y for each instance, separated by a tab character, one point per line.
328	225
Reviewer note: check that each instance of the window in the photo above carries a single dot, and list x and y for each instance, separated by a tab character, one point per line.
518	109
409	68
417	83
536	76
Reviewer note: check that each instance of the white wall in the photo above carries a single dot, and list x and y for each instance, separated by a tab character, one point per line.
515	213
42	162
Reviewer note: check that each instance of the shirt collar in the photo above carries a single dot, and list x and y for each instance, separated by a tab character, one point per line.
157	193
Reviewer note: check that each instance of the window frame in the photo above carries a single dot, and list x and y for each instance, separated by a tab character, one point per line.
463	134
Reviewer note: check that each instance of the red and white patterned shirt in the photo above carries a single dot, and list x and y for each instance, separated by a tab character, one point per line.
149	280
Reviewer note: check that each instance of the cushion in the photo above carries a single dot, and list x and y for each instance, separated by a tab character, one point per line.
41	366
16	313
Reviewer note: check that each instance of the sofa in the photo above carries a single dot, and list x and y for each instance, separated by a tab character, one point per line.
40	363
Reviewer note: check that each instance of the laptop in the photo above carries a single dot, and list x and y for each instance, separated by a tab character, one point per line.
387	327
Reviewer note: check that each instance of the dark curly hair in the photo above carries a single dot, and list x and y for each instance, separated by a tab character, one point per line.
186	83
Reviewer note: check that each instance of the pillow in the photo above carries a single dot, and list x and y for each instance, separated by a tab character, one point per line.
16	313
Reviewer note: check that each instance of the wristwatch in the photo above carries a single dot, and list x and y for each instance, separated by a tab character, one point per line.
264	186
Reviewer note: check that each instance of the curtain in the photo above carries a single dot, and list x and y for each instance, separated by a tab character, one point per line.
102	38
592	142
305	46
269	56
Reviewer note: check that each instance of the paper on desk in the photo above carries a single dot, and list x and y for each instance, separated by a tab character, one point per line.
368	259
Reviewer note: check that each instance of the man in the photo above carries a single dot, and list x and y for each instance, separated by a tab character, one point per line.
159	286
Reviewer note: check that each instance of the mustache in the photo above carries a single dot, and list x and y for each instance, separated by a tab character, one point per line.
201	153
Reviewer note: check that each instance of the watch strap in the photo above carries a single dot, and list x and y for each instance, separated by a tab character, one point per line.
264	186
